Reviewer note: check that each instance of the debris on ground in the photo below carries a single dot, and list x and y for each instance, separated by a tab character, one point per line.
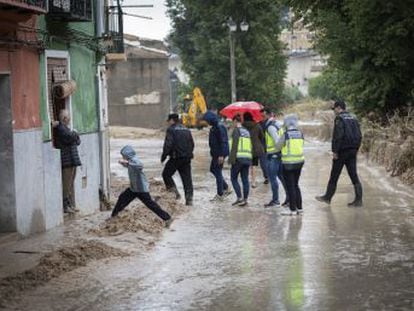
136	217
54	264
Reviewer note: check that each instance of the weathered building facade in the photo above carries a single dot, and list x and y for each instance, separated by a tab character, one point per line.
139	89
42	44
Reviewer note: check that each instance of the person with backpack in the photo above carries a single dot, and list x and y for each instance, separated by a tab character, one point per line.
240	159
346	142
274	157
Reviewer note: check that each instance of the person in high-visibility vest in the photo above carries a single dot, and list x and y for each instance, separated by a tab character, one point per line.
292	141
273	152
240	159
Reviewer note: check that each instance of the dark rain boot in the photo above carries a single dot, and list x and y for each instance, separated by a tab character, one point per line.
188	200
326	198
175	191
358	196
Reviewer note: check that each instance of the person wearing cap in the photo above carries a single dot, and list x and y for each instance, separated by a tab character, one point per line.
346	141
179	147
138	186
291	143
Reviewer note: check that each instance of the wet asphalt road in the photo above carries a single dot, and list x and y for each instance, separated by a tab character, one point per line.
219	257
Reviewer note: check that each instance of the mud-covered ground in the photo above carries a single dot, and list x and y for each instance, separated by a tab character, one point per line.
219	257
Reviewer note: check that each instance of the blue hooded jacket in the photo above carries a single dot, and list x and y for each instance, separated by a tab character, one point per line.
137	179
217	139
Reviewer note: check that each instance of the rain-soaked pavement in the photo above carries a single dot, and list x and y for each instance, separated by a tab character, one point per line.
219	257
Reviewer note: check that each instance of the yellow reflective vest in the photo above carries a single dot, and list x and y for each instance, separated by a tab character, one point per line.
292	151
270	143
244	146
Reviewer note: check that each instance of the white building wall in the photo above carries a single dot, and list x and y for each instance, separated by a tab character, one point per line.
28	168
88	175
52	186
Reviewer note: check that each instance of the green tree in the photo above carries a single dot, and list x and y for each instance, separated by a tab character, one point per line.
370	45
202	37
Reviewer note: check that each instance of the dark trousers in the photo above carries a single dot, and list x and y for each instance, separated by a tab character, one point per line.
217	170
128	196
347	158
243	170
183	166
291	177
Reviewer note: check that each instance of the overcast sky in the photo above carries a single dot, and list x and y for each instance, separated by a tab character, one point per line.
158	28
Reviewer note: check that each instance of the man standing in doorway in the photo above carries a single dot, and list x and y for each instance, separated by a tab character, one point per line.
179	146
345	145
67	141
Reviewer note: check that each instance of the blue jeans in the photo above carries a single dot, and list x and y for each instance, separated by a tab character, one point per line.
243	170
274	169
217	170
263	165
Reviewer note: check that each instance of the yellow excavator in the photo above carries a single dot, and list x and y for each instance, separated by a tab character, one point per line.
191	117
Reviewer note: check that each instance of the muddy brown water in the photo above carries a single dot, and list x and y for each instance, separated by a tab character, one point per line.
219	257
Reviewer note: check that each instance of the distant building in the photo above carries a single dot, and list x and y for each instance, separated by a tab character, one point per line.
304	62
139	89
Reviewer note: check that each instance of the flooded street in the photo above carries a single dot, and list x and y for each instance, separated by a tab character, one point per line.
220	257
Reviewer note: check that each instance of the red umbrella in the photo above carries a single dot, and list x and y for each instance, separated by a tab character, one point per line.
241	107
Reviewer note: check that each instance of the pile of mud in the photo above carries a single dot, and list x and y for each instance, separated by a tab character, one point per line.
54	264
134	132
394	152
136	217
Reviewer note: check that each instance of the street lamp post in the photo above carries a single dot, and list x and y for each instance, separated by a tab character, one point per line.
244	26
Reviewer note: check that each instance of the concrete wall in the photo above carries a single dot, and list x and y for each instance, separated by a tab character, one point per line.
139	92
88	175
30	201
52	186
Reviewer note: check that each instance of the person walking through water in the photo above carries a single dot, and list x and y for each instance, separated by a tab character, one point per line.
291	143
179	147
346	141
138	186
240	159
67	141
219	150
274	157
257	136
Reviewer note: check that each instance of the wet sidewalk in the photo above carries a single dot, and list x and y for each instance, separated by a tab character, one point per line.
219	257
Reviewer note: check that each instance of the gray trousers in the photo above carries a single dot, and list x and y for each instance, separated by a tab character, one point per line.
68	178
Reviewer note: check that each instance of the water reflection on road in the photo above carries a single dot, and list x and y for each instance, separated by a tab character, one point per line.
219	257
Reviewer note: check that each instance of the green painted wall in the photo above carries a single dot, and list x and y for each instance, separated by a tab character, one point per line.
82	70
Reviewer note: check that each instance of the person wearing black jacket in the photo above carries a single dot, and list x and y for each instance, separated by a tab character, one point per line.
219	149
178	146
345	145
67	141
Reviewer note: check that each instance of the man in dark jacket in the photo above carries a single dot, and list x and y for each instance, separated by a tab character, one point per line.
257	137
67	141
345	144
219	150
179	146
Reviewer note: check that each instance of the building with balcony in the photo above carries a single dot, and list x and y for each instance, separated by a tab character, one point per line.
44	44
